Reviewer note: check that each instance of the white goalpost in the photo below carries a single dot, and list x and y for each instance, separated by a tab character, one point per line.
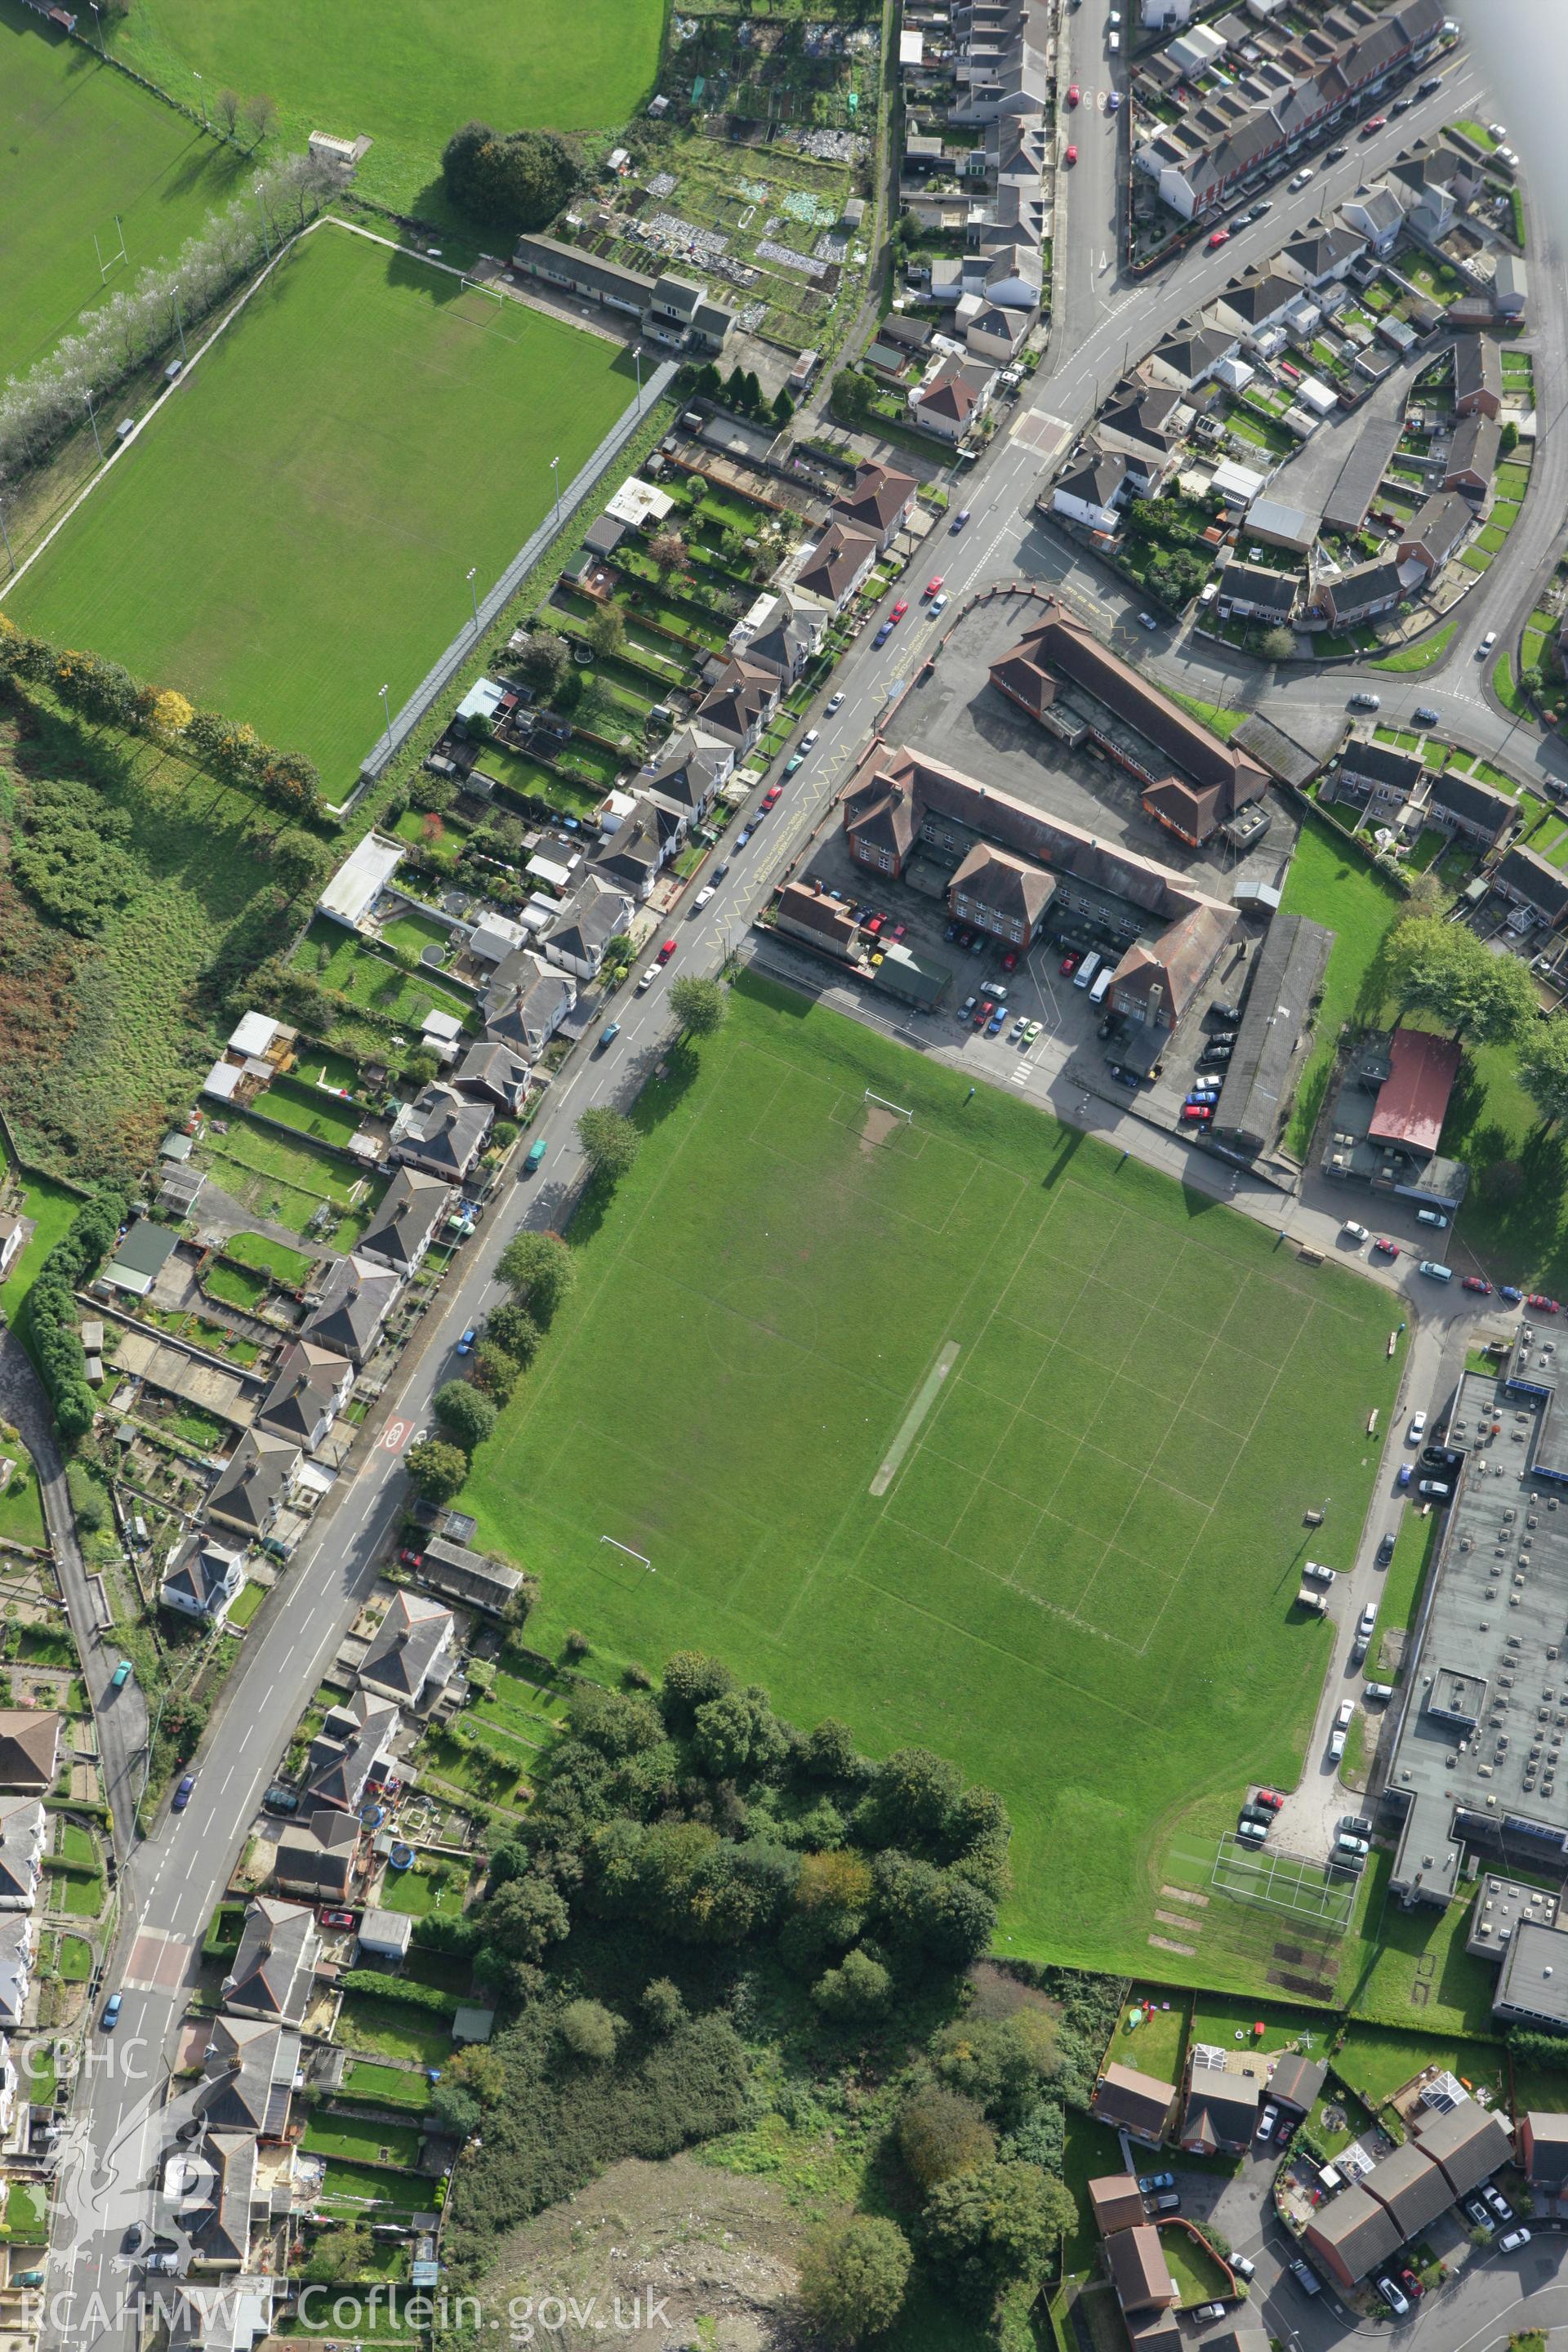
883	1104
640	1556
115	258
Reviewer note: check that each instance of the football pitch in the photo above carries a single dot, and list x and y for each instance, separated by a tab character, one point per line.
960	1428
79	143
298	522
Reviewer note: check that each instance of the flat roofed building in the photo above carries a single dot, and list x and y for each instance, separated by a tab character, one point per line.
1533	1989
1501	1905
1543	2150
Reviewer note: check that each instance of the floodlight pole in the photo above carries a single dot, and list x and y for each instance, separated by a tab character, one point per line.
202	88
5	535
474	596
180	324
261	215
98	15
386	714
556	469
93	421
637	355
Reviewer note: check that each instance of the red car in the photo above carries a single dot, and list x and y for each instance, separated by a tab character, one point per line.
1010	961
983	1011
899	609
1072	94
1378	123
1197	1114
1542	1304
1221	237
410	1557
1411	2284
1071	155
1270	1799
1389	1249
336	1918
1477	1282
873	928
666	950
1071	963
933	585
771	796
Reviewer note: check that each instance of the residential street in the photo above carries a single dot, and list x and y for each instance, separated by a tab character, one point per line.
171	1883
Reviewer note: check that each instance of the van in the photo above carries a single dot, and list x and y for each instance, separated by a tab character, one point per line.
1435	1272
1423	1217
1084	973
1096	993
1306	2279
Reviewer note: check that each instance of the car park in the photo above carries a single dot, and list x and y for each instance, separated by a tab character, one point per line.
1227	1015
1436	1489
1031	1030
1071	960
1351	1846
1197	1114
983	1011
1432	1217
1259	1814
1251	1833
1202	1095
994	1025
1511	2243
1318	1572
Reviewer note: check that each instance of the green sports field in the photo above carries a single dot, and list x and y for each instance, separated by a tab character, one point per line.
298	523
405	73
77	144
1077	1578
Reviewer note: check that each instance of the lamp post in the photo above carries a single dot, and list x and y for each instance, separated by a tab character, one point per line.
5	535
93	421
180	324
386	714
261	215
97	19
556	469
636	354
202	88
474	596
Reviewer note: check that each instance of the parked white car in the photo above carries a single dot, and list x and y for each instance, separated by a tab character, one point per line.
1342	1725
1417	1429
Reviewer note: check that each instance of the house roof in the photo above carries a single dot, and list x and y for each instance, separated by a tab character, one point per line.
545	996
839	557
1317	251
876	498
355	1299
1413	1100
411	1208
742	694
275	1965
1142	413
201	1572
1220	2107
29	1747
950	392
22	1834
1096	478
1440	524
255	1480
1410	2189
1016	891
441	1126
308	1380
825	915
316	1853
594	914
249	2076
1140	2102
1474	448
1357	2228
1469	2141
1366	586
1170	969
1297	2080
1138	2270
1115	2202
1478	367
222	2232
351	1740
1258	584
689	767
1259	295
1543	885
1380	764
1548	2135
556	259
1467	797
136	1261
407	1644
493	1069
1287	974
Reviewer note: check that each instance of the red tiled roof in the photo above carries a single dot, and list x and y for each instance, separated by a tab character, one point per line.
1413	1097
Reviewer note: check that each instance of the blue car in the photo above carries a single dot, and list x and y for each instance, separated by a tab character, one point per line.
466	1344
1506	1290
883	634
996	1020
1156	2181
1405	1474
1203	1095
535	1154
183	1793
110	2017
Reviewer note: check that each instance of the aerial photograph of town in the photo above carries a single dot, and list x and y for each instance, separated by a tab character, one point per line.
784	1176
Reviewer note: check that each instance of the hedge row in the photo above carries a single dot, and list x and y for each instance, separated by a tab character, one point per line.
57	1343
404	1988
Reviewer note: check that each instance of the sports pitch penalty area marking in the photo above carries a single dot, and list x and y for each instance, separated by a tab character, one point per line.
916	1414
630	1553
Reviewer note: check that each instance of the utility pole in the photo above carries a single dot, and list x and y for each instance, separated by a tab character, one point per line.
386	714
88	397
180	324
202	89
474	596
556	469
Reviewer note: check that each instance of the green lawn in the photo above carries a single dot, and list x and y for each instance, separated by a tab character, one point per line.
287	1182
76	1959
26	2207
428	1889
349	2188
407	74
1332	885
1197	2275
235	557
393	2029
1492	1118
1376	2062
292	1267
233	1285
250	1601
1422	1975
1423	653
52	1208
1222	2022
99	146
21	1504
393	2086
1088	1550
338	961
395	2145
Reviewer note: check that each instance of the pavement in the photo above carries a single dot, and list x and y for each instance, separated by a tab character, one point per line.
172	1881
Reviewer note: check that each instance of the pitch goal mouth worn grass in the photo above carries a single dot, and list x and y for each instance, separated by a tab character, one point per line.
975	1436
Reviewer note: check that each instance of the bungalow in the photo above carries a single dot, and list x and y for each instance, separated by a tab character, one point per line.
247	2080
1139	2104
411	1653
1526	880
1000	895
255	1482
203	1579
29	1748
740	703
524	1010
351	1306
1475	812
878	503
441	1133
590	919
23	1833
1361	594
1473	455
412	1209
1477	376
311	1388
275	1967
838	566
1435	534
315	1855
1091	489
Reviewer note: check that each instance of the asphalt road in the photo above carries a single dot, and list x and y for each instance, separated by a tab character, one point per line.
122	2126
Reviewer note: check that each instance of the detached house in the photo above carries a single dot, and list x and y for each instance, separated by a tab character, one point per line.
29	1748
592	916
1139	2104
953	399
1090	490
315	1856
352	1307
783	630
255	1484
693	766
310	1390
352	1752
740	703
525	1005
275	1967
638	849
1221	2111
441	1133
411	1653
412	1211
839	566
203	1578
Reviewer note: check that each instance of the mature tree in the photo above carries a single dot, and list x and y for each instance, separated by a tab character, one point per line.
1543	1068
941	2132
662	2007
511	1326
738	1733
859	1987
540	1269
1277	644
784	407
1502	1181
545	663
610	1142
495	1371
466	1417
854	396
525	1917
998	2223
667	549
260	114
699	1004
515	182
607	631
911	1798
854	2277
1425	896
1004	2062
690	1679
437	1468
226	106
591	2030
1444	969
454	2107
